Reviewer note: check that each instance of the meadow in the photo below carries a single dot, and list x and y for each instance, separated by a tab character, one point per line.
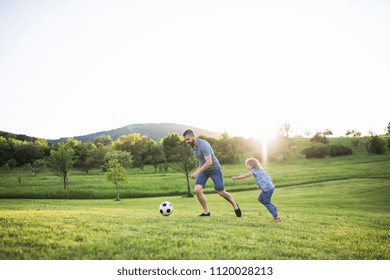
331	209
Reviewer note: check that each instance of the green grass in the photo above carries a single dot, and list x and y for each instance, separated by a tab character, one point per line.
333	208
346	219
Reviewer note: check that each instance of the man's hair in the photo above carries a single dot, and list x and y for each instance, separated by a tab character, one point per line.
188	132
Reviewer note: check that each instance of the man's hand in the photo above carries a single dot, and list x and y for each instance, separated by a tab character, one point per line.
194	175
206	165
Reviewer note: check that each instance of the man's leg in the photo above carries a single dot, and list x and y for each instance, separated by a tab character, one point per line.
201	198
229	198
220	188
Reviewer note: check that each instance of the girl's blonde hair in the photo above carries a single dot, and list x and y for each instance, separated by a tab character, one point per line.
253	162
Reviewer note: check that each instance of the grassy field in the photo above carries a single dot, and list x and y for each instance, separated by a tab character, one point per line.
334	208
345	219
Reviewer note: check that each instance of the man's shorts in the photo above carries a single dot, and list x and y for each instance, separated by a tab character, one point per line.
215	175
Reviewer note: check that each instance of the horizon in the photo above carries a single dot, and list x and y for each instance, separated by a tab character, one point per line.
247	68
272	137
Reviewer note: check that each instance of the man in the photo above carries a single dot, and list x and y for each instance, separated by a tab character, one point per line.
209	167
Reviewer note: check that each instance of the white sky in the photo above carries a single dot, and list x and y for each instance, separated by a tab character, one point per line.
71	68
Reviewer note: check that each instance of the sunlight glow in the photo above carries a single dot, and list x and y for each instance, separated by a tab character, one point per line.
264	151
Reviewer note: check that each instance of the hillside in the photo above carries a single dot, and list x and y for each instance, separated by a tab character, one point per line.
20	137
154	131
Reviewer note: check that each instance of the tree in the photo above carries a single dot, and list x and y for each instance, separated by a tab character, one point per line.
85	160
140	153
103	140
377	145
185	162
123	157
136	145
96	157
5	151
373	144
319	137
127	142
61	161
116	174
11	164
78	147
170	144
155	154
226	150
36	167
327	132
388	134
40	142
285	130
353	133
26	152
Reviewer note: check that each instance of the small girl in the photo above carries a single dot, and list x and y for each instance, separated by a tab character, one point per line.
264	181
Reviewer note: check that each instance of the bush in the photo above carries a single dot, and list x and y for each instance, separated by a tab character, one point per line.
374	145
339	150
378	145
316	151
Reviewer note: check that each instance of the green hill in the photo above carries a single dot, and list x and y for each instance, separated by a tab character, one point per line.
154	131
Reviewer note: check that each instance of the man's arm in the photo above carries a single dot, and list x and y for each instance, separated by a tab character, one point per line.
206	165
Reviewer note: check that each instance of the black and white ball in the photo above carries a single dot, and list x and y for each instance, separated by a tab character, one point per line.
166	208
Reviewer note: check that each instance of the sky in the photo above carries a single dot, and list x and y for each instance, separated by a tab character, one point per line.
70	68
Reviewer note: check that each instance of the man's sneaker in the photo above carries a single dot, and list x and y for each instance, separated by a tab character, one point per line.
277	219
238	211
204	215
276	208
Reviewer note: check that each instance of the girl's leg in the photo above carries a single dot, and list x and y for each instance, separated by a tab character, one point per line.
265	199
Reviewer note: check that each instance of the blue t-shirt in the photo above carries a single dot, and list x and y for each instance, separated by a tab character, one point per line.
203	149
262	179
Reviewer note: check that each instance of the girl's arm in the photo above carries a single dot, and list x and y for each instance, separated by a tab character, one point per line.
242	176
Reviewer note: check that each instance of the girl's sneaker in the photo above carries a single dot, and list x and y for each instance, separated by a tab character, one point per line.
277	219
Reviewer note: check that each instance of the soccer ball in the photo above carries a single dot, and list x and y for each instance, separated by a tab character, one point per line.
166	208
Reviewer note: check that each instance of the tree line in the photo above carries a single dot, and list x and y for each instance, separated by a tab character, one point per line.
133	150
130	151
136	151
